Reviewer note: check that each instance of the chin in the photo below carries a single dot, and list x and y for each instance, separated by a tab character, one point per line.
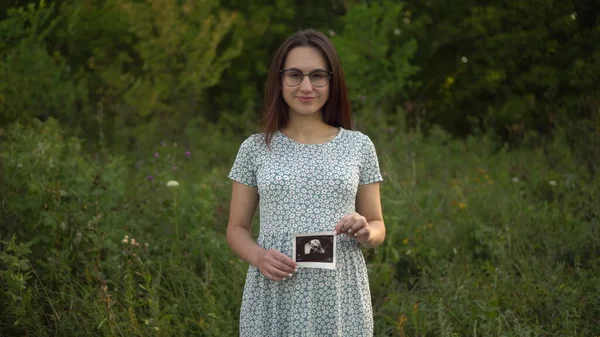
305	111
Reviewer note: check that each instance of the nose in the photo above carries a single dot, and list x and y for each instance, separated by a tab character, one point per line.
305	85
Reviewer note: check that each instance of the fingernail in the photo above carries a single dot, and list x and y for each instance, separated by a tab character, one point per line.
296	270
334	232
349	231
290	275
355	234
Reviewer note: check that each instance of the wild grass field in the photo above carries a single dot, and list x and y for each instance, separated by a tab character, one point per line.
482	240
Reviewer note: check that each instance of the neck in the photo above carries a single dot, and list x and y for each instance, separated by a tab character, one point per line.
306	125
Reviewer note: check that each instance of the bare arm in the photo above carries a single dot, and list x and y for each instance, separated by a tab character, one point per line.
244	200
272	264
366	224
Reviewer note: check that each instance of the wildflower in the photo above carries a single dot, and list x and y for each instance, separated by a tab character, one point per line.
188	154
150	178
125	240
454	249
491	182
515	180
172	184
405	241
552	182
133	243
406	20
19	165
397	32
127	237
464	59
574	16
156	155
462	205
146	245
331	33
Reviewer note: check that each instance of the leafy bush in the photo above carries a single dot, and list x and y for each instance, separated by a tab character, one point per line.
113	251
479	242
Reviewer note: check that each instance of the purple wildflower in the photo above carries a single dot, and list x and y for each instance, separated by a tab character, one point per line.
188	154
150	178
155	154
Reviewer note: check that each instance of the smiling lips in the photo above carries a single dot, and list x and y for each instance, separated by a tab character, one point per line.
305	99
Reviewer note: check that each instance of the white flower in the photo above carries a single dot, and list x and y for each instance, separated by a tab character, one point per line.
515	180
574	16
125	241
464	59
172	183
406	20
397	31
552	183
331	33
19	165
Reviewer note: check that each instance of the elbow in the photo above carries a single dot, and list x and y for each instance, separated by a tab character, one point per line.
229	235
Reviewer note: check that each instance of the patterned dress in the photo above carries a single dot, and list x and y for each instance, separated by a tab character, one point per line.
307	188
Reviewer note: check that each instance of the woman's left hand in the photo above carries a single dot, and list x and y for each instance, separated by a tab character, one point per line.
354	225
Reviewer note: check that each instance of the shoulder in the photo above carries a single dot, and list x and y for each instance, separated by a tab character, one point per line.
254	142
358	138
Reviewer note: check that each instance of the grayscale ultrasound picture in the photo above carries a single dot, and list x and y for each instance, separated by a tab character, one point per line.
314	248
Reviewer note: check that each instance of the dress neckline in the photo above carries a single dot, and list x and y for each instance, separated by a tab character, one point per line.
332	140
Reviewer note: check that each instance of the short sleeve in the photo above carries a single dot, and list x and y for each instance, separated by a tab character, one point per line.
244	166
369	164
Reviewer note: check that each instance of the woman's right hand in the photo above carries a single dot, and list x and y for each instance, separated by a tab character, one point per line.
276	266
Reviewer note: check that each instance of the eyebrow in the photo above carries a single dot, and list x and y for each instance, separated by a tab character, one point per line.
308	72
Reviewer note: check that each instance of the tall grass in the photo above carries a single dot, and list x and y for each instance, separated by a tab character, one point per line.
481	240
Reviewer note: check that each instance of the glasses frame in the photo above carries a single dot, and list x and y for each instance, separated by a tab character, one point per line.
329	73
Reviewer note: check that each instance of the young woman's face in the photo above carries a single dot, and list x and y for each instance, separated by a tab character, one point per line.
305	98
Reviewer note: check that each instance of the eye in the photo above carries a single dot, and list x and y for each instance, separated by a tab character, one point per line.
319	75
294	74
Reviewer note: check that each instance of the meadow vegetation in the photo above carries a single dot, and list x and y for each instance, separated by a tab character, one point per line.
117	135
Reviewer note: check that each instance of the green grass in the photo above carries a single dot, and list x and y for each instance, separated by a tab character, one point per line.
481	240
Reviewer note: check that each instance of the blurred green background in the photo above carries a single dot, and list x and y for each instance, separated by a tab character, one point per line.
485	116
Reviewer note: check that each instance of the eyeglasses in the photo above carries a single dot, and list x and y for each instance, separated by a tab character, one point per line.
318	78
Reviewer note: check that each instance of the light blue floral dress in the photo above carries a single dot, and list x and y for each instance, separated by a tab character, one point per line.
307	188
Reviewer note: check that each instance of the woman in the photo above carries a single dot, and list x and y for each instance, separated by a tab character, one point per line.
310	173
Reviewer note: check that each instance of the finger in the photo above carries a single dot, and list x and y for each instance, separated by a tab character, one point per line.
280	274
285	263
339	228
363	232
356	226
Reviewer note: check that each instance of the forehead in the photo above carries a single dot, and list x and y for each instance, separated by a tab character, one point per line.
305	58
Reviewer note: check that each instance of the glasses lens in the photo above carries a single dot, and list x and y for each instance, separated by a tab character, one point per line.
319	78
293	77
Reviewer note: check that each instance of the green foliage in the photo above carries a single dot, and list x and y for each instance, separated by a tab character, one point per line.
508	68
35	83
479	242
375	55
80	214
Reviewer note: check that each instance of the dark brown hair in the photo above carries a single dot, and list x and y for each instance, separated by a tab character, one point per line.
336	111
